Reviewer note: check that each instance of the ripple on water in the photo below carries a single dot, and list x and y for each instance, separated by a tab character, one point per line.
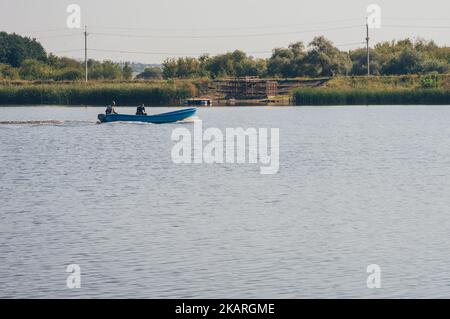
350	192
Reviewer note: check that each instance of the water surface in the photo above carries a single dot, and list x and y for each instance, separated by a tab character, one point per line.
356	186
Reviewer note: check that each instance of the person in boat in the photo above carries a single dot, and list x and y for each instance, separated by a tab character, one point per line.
141	110
110	108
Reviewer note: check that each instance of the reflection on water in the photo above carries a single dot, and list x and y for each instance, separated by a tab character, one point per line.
357	186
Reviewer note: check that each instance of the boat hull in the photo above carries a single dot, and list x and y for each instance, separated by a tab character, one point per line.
170	117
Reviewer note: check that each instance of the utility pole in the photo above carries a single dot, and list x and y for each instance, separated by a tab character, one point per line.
368	48
85	53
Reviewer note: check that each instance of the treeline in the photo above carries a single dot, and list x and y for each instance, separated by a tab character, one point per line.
319	59
24	58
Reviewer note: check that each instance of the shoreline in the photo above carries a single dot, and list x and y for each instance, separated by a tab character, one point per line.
382	90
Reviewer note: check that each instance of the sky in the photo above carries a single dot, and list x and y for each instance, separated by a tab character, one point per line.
149	31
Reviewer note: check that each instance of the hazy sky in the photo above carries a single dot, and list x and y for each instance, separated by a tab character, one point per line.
155	29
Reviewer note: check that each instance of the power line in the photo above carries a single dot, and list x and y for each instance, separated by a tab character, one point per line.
160	53
43	30
415	19
224	28
70	50
85	53
59	36
348	44
415	26
183	53
222	35
368	47
312	22
175	53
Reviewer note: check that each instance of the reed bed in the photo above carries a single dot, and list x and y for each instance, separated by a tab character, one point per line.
371	97
95	94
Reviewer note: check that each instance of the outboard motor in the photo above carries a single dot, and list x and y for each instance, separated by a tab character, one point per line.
102	118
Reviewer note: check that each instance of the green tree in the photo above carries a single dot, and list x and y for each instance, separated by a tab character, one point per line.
35	70
221	66
8	72
409	61
63	62
127	72
204	61
359	62
298	64
279	63
151	73
111	70
170	68
326	60
235	63
69	74
187	67
435	65
410	57
106	70
15	49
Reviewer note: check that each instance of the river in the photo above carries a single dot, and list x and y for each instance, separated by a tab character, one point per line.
356	186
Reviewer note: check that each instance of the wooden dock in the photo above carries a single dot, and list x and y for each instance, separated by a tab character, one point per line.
198	102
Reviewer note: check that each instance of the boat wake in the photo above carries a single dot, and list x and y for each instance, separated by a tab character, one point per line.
46	122
192	119
81	122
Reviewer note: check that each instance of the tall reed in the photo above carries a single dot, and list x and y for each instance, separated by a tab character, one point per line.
371	97
95	94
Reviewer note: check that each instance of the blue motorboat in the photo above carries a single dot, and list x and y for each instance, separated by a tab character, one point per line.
162	118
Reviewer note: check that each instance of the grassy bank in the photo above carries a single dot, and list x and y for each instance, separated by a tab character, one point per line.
161	93
327	96
409	89
398	82
378	90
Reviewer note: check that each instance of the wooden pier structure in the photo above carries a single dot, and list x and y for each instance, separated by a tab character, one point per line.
254	88
247	88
